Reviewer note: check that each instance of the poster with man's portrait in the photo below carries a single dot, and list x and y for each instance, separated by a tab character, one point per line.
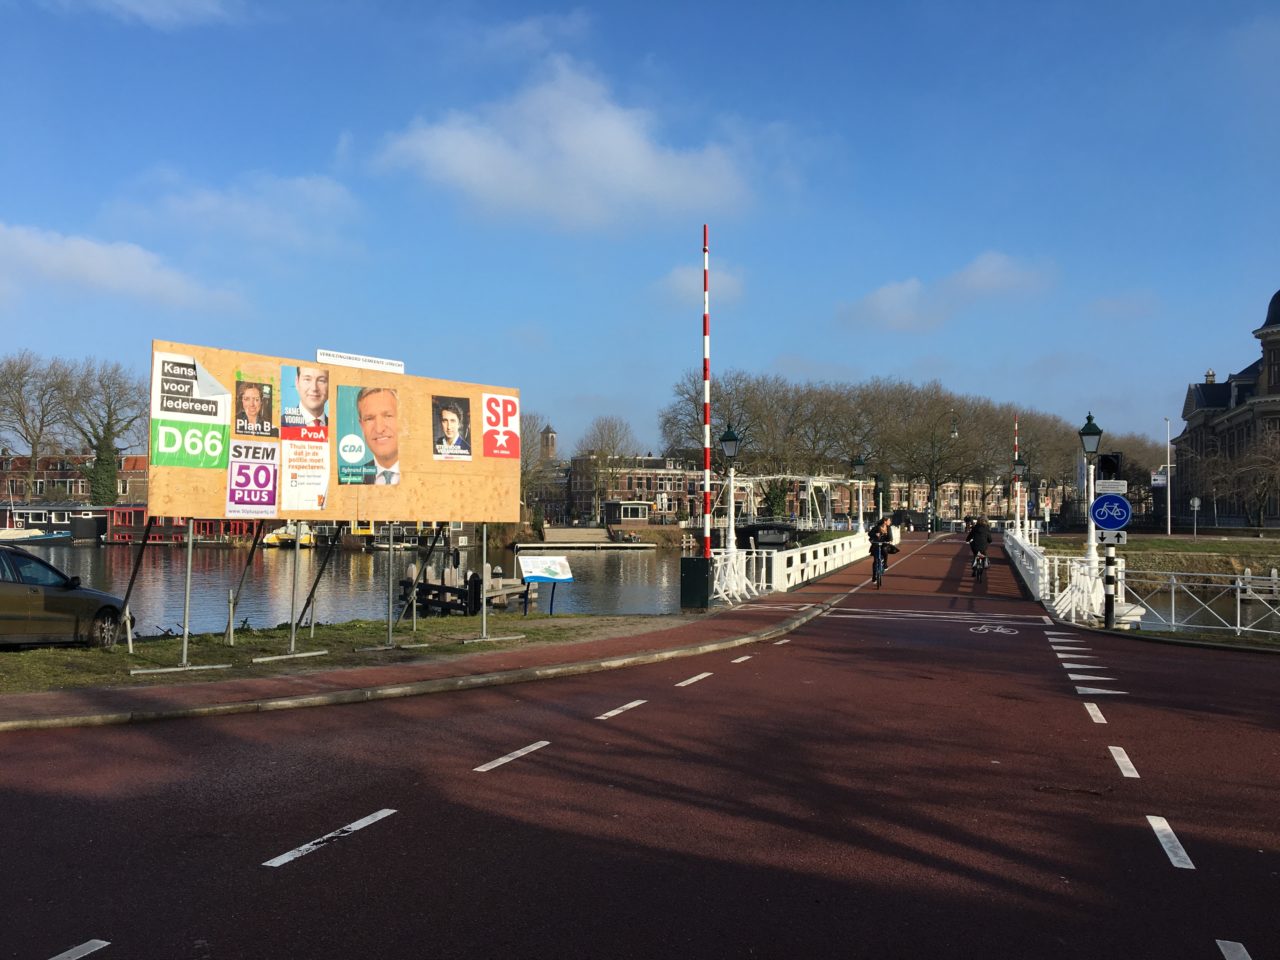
255	409
451	419
306	403
368	436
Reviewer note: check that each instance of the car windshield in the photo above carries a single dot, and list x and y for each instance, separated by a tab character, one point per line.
37	572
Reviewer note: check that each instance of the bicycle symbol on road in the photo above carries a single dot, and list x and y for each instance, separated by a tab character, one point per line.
992	628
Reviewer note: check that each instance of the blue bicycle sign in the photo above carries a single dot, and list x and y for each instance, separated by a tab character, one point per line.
1111	511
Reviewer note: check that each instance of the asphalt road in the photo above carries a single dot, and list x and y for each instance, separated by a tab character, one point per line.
929	770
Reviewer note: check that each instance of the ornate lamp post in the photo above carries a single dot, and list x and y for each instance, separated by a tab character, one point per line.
729	443
1090	440
933	488
859	467
1019	471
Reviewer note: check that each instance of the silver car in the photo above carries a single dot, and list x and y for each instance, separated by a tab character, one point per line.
41	604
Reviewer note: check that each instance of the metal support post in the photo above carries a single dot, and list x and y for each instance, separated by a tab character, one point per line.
1109	589
186	600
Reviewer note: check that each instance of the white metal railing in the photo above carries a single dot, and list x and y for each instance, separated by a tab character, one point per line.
747	573
1207	601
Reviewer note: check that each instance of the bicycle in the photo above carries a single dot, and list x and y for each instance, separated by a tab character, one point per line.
979	567
877	565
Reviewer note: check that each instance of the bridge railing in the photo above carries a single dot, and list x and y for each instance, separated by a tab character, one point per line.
747	573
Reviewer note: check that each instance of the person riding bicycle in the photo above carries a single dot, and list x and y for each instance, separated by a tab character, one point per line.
979	537
881	537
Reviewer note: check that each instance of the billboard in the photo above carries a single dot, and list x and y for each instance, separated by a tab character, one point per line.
243	435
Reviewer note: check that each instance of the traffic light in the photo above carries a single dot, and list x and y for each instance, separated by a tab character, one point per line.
1109	466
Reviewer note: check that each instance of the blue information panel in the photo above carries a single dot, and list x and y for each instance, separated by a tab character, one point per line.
1111	511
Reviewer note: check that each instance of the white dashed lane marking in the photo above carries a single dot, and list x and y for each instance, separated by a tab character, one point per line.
1122	761
741	659
1100	691
693	679
485	768
328	838
86	948
1169	840
1087	676
622	709
1095	713
1232	950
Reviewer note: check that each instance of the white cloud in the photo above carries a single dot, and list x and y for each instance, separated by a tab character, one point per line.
914	305
308	212
536	35
160	14
117	269
563	149
682	287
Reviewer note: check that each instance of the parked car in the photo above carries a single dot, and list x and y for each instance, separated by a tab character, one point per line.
41	604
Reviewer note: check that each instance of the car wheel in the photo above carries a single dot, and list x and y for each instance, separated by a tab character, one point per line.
104	629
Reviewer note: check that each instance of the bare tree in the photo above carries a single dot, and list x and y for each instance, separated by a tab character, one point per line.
102	404
600	452
31	412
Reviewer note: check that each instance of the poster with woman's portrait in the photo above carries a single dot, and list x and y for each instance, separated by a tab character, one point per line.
255	410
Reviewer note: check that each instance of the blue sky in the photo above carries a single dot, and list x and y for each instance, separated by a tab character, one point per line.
1066	206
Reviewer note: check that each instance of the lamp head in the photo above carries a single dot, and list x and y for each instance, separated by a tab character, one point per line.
1090	436
729	442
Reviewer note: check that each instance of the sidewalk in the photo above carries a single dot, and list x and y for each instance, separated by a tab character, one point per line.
760	620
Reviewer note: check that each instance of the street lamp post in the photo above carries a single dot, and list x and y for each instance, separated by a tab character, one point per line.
1168	480
729	442
859	466
1019	471
1090	440
933	490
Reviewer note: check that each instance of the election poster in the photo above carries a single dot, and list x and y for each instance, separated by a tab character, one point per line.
501	425
253	479
189	414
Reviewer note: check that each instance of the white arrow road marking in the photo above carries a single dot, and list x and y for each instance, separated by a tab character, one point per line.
1164	833
86	948
1122	761
693	679
1087	676
485	768
338	834
1095	713
1232	950
1074	655
1099	691
1082	666
622	709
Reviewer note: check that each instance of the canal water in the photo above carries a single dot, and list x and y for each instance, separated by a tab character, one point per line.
354	585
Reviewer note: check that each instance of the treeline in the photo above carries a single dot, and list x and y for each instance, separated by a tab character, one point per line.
916	432
92	407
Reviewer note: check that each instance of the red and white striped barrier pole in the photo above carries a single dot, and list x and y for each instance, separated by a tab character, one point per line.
706	397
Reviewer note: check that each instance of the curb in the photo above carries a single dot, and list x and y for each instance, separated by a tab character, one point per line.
416	688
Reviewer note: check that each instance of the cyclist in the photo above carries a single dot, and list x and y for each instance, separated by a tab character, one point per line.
979	539
881	537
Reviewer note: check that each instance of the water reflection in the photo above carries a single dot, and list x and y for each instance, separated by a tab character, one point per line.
354	585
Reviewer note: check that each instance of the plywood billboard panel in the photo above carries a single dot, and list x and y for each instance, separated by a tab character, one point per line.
243	435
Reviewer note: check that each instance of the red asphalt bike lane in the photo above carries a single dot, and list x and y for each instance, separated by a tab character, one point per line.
892	781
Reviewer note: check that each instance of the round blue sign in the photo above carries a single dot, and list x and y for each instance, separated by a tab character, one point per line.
1111	511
